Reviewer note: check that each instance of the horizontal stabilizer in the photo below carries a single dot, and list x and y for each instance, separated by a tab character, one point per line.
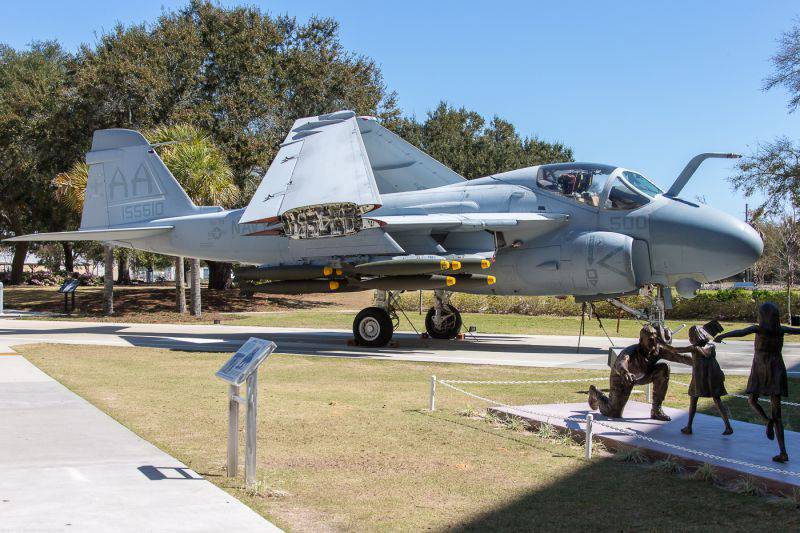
119	234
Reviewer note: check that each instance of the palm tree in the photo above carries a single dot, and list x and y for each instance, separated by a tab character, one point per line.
70	186
197	163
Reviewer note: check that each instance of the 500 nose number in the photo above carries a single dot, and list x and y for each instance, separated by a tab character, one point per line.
627	223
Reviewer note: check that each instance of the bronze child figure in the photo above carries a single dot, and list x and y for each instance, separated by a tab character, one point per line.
638	364
768	373
708	380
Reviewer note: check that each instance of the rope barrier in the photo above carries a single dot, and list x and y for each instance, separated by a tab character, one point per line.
626	431
742	396
582	380
527	382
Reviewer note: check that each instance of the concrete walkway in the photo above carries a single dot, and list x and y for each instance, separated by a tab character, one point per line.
66	466
484	348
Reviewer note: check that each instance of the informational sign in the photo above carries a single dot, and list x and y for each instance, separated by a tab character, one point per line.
246	360
69	286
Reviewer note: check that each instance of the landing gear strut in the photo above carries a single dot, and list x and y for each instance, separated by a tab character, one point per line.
653	313
374	326
443	320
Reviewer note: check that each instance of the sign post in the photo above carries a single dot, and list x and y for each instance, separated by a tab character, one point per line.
67	288
241	367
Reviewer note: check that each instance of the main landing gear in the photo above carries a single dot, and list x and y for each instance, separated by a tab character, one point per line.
374	326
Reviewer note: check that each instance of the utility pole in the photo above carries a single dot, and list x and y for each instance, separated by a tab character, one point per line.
108	280
180	292
195	288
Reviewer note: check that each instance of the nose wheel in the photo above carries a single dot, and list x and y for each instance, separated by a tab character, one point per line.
446	326
443	320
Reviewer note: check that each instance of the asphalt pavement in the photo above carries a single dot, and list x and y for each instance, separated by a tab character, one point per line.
483	348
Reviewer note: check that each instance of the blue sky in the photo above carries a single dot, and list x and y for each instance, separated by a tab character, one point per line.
645	85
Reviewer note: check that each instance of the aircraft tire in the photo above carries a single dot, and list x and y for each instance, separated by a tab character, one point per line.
451	328
373	327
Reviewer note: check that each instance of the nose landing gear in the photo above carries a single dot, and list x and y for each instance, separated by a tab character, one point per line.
443	320
653	314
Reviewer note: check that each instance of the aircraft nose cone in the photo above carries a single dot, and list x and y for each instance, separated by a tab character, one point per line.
731	245
703	240
749	245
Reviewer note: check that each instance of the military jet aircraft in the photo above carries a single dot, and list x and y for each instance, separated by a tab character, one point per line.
347	205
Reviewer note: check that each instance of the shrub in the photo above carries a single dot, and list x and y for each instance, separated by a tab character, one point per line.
724	304
631	455
706	473
43	278
89	279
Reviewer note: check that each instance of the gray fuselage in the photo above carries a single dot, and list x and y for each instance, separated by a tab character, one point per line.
595	251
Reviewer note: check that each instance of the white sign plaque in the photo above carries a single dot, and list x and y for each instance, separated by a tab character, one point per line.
246	360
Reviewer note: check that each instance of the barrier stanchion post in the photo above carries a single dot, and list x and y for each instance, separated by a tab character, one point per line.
432	404
589	419
1	298
648	393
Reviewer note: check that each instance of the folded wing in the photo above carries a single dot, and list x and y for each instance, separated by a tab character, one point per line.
331	169
321	177
399	166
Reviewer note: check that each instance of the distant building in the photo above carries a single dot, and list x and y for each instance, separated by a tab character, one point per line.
7	256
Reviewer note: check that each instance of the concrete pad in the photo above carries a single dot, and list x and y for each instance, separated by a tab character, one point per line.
748	444
65	465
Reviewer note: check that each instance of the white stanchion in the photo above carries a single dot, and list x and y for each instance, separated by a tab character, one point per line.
648	393
1	298
589	420
432	403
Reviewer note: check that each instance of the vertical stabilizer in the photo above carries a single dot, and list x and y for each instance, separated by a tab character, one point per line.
128	183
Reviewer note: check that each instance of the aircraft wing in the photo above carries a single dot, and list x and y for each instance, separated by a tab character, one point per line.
400	166
322	162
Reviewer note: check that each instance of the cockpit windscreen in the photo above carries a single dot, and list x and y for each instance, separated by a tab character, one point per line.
640	182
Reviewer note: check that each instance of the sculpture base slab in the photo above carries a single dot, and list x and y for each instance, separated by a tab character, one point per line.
748	442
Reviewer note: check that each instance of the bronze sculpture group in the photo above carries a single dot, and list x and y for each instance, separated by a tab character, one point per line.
641	363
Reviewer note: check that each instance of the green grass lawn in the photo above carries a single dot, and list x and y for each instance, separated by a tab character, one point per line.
156	305
346	444
486	323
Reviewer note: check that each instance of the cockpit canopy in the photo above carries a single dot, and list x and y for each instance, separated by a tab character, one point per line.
592	184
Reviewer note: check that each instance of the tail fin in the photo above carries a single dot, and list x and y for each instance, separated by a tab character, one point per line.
129	183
